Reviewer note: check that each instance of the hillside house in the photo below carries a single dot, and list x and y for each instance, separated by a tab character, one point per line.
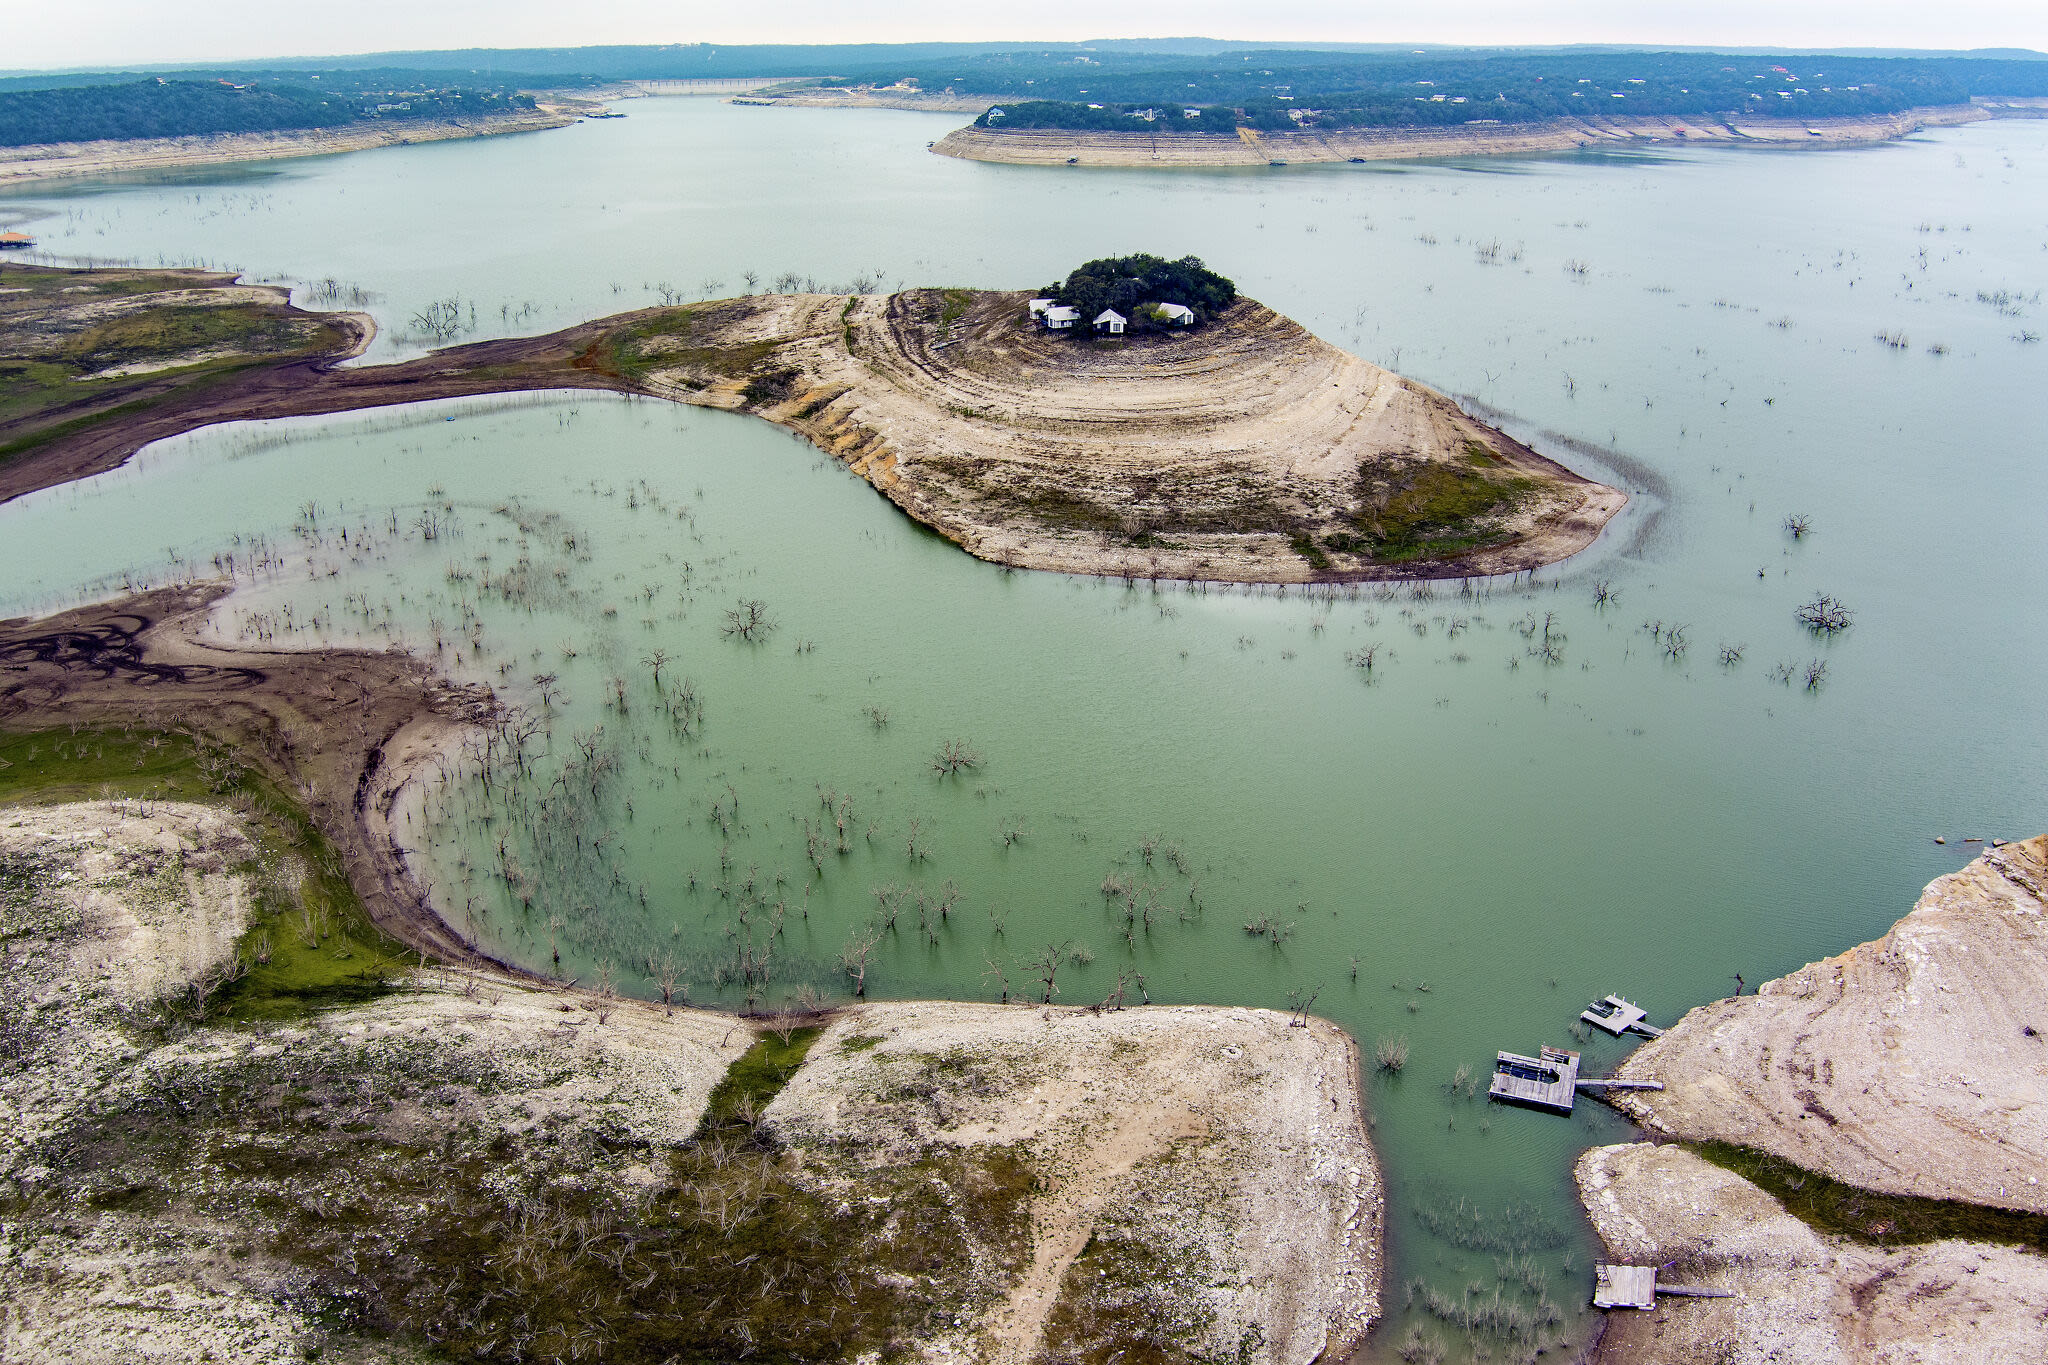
1110	322
1060	318
1174	314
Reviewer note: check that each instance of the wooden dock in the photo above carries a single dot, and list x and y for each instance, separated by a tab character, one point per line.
1619	1016
1635	1286
1547	1081
1624	1286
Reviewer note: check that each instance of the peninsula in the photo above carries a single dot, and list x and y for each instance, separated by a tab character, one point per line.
1242	449
1144	145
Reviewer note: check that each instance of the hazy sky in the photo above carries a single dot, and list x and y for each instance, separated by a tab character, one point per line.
112	32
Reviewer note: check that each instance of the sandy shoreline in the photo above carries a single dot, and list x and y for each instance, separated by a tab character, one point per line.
1059	147
78	160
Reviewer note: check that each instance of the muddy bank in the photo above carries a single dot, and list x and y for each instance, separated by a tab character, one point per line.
145	156
490	1168
1797	1294
1915	1065
1061	147
345	730
1245	450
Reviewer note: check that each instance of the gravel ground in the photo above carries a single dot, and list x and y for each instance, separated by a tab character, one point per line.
520	1172
1798	1295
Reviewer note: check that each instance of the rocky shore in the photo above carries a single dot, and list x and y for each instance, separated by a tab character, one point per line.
472	1163
1916	1064
1061	147
1913	1066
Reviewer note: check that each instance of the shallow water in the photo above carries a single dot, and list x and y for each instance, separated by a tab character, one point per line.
1514	834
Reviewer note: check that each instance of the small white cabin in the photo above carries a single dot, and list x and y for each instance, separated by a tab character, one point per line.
1110	321
1175	314
1038	307
1060	318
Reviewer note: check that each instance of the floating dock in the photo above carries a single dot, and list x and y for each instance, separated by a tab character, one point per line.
1547	1081
1635	1286
1618	1016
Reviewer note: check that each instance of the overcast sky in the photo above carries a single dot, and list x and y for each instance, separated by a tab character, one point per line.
62	33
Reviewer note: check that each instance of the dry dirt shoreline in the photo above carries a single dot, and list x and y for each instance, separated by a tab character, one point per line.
1240	452
1061	147
143	156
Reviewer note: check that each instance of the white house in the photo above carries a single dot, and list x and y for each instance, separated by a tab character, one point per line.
1175	314
1060	318
1110	321
1038	307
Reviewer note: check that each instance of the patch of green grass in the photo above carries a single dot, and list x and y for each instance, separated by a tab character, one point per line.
1305	545
953	305
859	1042
1829	1206
631	352
309	943
1426	510
757	1077
159	333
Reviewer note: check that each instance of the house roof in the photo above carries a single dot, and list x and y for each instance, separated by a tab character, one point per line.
1176	310
1061	313
1108	315
1040	305
15	237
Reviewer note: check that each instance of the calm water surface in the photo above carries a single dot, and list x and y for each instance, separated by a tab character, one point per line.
1489	836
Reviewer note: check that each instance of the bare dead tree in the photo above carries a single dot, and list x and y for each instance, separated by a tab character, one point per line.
854	958
955	756
667	978
1300	1001
748	621
1001	975
1824	615
1798	525
1045	967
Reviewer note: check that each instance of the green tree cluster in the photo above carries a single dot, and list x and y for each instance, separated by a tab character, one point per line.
1126	282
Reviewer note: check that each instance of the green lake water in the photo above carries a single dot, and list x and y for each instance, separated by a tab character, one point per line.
1490	836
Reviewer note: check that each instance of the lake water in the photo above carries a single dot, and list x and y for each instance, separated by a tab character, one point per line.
1489	836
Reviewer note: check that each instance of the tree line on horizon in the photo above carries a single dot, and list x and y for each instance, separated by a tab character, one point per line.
156	107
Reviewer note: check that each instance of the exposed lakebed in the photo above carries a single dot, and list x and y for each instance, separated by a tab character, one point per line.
1472	819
